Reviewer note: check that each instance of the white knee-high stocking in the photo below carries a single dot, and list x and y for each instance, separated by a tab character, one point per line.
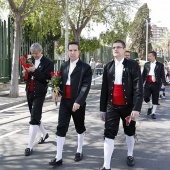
80	142
42	130
32	134
60	144
130	141
154	108
108	150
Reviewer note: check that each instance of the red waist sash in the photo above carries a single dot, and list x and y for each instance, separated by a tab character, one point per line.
68	91
31	87
149	79
118	95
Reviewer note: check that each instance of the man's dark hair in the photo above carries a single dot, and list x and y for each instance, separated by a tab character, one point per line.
153	53
127	51
74	43
122	42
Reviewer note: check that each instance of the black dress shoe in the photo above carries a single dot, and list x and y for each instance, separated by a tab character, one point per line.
149	111
103	168
130	161
56	163
153	116
28	151
41	141
78	156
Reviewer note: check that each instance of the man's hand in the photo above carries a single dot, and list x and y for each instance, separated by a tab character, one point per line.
102	116
31	69
134	115
76	106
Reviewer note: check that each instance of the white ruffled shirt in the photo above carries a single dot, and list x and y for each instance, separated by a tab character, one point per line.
72	67
118	71
37	63
151	72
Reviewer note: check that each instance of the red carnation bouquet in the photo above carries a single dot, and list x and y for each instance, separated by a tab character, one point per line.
26	62
55	85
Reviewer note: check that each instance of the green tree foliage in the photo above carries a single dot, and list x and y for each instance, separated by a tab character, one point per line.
119	28
44	20
86	45
81	12
138	31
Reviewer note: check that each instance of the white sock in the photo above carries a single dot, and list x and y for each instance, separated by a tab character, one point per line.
149	104
32	134
80	142
130	141
154	108
108	150
60	144
42	130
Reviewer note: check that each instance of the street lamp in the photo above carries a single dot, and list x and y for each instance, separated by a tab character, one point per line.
66	32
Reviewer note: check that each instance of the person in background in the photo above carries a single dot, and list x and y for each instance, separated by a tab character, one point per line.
153	74
76	77
161	91
98	67
127	55
36	89
121	98
92	65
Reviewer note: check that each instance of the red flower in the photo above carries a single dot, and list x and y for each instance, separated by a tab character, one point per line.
52	74
58	73
24	64
25	56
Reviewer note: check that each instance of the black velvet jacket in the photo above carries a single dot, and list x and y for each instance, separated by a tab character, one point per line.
41	76
80	81
159	72
131	81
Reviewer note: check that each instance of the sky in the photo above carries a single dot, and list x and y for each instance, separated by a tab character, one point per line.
159	12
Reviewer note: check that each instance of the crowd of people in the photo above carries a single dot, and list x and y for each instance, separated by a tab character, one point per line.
124	88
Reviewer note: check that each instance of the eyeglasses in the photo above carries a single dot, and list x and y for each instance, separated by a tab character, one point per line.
118	47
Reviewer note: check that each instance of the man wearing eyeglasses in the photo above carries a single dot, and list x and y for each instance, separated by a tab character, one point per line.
121	97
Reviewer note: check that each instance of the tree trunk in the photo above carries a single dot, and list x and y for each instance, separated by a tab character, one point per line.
77	35
14	90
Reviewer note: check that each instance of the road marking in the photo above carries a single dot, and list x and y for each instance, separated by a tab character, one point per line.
13	107
9	134
22	104
16	131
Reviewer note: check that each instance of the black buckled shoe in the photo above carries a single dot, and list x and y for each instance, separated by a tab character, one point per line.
153	116
130	161
78	157
41	141
28	151
149	111
53	162
103	168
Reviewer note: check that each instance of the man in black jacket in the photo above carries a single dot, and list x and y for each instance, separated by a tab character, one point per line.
121	97
36	89
76	79
153	74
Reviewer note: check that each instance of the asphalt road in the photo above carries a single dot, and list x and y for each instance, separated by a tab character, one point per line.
152	150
